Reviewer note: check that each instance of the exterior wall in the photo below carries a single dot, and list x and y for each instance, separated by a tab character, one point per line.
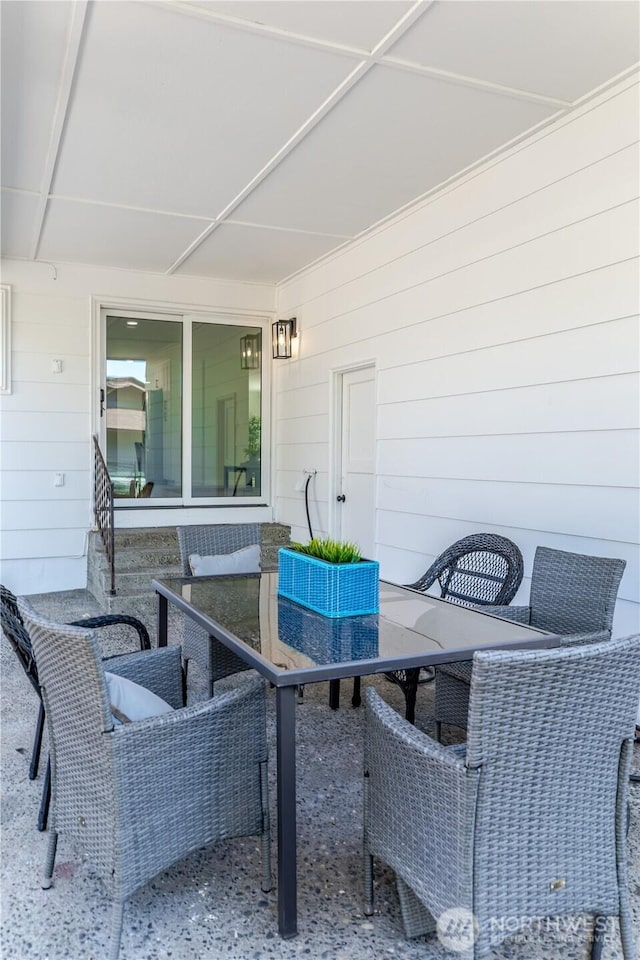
501	313
47	419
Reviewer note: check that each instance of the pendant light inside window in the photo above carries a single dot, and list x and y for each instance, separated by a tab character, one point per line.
250	352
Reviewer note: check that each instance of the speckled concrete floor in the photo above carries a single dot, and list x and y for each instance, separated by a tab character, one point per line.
210	905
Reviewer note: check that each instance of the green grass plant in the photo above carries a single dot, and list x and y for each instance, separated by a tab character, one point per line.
332	551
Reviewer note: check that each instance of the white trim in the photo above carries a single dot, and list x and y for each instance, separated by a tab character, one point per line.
355	53
142	314
169	310
359	71
461	80
132	518
279	33
336	375
71	60
177	307
187	418
5	338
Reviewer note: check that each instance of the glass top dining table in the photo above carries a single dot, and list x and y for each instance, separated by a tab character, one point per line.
290	645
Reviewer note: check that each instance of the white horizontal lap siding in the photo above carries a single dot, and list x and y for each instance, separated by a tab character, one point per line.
519	228
307	401
21	485
591	458
571	145
303	429
46	429
596	351
608	239
502	315
46	420
549	509
43	456
420	544
598	403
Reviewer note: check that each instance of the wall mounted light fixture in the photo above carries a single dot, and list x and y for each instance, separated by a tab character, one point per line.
283	331
250	351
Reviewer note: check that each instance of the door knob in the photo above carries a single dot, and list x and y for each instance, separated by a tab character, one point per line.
341	498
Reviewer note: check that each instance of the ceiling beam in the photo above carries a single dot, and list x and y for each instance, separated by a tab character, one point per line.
187	9
358	72
254	26
487	85
72	53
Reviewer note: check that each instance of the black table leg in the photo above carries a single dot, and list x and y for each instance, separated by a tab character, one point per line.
286	755
334	694
599	933
163	615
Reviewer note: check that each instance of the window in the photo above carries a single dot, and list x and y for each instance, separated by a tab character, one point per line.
183	408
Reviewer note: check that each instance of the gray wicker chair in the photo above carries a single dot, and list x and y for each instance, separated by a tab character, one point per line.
499	826
572	595
15	631
212	540
140	796
481	569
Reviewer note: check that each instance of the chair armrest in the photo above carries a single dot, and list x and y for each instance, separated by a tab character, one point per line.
382	721
111	619
419	803
190	756
596	637
426	580
158	670
519	614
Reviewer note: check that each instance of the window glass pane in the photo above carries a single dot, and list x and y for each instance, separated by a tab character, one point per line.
226	411
144	408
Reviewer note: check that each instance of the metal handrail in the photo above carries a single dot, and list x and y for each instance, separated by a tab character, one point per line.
103	509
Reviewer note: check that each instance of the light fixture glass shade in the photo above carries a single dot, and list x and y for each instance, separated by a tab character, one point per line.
282	331
250	352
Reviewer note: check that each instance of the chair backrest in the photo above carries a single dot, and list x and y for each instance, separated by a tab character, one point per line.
17	635
550	733
483	568
76	701
215	539
573	592
70	670
9	602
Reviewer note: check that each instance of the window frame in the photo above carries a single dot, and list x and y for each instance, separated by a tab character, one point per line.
186	317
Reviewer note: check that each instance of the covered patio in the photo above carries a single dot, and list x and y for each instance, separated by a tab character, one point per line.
361	270
210	905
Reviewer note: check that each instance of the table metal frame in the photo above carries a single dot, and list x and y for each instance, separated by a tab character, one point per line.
285	683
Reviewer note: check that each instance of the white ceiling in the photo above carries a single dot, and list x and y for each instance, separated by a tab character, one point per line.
243	140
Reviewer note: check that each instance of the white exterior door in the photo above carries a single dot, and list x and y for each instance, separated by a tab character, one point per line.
355	486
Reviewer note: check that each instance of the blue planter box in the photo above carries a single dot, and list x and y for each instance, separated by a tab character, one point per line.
333	589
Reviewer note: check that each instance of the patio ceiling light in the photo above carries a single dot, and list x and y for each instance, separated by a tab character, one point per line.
283	332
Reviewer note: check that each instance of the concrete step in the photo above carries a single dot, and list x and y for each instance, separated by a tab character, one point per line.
152	553
140	581
147	537
145	558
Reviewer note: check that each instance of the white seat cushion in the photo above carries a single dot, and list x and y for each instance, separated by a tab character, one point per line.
130	702
246	560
